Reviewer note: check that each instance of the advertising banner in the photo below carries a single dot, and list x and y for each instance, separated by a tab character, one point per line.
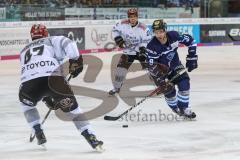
95	36
191	29
121	13
118	13
215	33
42	14
75	34
99	37
79	13
13	40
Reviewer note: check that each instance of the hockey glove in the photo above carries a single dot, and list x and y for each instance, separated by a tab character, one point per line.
119	41
142	54
191	62
75	66
158	70
165	87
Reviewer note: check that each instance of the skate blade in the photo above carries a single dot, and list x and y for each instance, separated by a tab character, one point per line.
183	118
189	119
99	149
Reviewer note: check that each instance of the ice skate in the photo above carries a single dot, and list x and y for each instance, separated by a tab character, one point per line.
92	140
114	91
177	111
188	114
40	135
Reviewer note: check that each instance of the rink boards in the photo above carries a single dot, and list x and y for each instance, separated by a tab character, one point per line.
95	36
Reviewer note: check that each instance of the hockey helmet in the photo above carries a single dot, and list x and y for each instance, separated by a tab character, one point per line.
159	24
132	11
38	31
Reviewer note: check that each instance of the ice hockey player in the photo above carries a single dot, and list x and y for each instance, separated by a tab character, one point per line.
41	76
162	50
132	36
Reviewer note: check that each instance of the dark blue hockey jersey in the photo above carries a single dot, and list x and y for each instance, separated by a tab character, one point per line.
167	53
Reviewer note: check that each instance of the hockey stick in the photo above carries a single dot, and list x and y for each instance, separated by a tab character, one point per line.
33	135
112	118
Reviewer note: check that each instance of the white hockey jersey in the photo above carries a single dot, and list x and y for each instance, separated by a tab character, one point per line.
134	37
43	57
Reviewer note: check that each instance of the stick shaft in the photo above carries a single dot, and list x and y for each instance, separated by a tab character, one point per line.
111	118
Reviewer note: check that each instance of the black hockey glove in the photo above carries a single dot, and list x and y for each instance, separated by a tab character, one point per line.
75	66
119	41
191	62
142	54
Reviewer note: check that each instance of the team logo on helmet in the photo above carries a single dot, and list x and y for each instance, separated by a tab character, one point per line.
159	24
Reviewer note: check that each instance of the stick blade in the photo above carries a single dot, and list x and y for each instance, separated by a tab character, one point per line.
110	118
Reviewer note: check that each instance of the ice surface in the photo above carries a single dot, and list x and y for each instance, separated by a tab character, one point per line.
215	97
